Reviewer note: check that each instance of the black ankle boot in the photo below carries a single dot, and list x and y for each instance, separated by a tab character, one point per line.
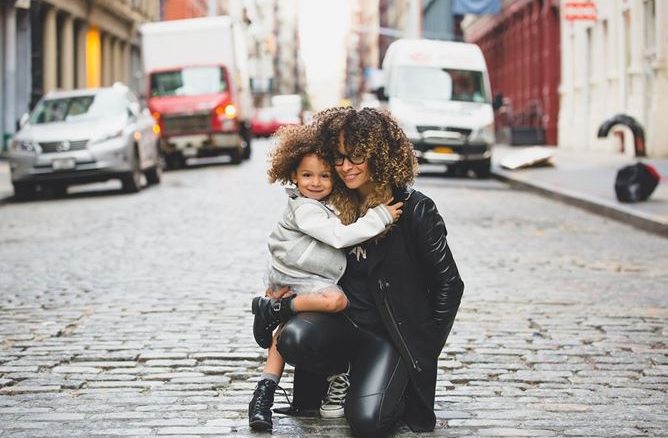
269	313
259	409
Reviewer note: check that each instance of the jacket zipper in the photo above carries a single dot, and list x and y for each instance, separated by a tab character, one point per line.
401	338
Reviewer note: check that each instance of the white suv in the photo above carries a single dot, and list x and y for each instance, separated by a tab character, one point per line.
81	136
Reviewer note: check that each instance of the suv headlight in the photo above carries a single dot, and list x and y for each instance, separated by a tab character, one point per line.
25	146
484	134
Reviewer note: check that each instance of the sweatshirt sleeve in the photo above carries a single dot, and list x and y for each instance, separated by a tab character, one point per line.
312	220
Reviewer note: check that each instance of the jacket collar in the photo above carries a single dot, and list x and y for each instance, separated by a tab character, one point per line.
402	193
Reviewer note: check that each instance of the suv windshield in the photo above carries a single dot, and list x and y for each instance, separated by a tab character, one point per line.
433	83
79	108
191	81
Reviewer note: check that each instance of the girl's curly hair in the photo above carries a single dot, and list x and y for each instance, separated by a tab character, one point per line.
376	136
294	142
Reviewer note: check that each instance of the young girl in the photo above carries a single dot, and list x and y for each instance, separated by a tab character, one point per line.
306	256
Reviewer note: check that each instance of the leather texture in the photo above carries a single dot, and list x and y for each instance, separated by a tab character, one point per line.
417	288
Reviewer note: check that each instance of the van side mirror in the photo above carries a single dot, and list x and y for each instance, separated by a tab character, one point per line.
23	120
380	93
497	101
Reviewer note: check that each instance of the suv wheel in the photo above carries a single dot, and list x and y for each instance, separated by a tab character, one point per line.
154	174
132	180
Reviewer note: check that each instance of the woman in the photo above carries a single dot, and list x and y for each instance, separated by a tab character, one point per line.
403	287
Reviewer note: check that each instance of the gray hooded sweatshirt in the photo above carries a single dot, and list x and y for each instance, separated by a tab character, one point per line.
308	239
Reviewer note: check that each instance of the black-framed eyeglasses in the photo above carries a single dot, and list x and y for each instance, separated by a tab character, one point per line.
353	158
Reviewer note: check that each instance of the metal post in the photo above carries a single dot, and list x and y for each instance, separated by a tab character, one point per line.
10	74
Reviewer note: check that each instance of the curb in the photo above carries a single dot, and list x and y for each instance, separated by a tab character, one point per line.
619	213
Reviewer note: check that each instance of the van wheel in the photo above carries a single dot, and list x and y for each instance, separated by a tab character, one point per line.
482	169
58	190
24	191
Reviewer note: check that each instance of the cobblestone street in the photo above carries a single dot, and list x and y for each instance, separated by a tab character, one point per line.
129	315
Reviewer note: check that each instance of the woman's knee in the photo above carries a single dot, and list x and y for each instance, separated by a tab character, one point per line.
366	419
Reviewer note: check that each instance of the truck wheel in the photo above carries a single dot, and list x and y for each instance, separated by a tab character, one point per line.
235	155
175	160
247	135
24	191
482	168
247	151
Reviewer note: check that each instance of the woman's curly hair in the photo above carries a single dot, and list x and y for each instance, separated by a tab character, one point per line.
376	136
293	143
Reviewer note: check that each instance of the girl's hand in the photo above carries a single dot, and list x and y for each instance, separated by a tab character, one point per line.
278	293
395	209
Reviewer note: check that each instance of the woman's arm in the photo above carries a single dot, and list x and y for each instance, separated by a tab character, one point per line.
445	285
313	220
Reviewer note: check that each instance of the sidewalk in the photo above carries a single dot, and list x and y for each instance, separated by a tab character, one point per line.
586	179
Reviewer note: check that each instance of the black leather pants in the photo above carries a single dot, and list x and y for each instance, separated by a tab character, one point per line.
326	343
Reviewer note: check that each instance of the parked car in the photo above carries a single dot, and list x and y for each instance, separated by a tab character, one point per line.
266	121
82	136
263	123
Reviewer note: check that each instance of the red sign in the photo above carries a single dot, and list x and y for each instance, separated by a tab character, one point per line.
580	10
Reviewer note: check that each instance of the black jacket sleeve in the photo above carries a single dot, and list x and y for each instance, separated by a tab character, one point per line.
445	285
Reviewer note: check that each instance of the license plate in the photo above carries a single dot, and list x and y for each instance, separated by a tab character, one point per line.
64	164
443	150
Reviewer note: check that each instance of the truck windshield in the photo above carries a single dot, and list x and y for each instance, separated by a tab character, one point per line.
190	81
104	104
434	83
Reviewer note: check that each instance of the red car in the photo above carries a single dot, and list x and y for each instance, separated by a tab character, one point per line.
266	121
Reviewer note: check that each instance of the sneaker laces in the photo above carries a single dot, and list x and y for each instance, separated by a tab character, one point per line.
338	388
285	394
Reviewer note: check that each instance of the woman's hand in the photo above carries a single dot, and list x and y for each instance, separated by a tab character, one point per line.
395	209
278	293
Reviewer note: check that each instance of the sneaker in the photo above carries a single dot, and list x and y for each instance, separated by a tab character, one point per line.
332	406
259	408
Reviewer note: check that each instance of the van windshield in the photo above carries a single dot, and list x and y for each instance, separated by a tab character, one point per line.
190	81
434	83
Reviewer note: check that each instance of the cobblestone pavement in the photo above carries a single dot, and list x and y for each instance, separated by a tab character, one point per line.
129	315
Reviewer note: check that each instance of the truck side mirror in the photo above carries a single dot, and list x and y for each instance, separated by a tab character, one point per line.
380	93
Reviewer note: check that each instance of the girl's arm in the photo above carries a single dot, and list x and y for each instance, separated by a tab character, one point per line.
312	220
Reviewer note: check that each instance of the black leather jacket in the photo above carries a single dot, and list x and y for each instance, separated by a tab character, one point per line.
417	288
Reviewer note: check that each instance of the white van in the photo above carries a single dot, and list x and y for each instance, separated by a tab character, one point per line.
439	92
